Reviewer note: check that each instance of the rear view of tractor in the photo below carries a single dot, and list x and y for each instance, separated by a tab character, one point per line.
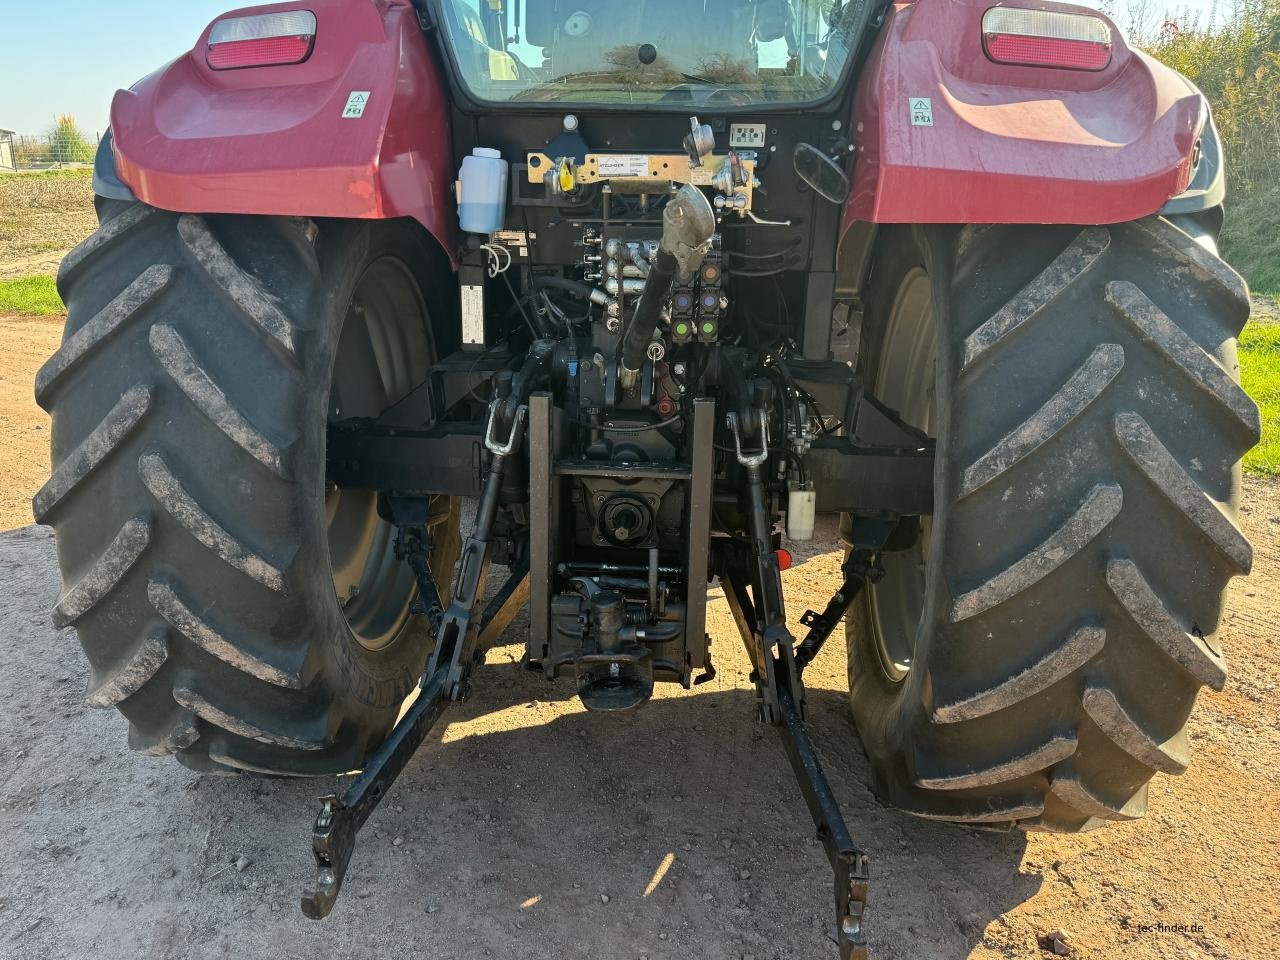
653	285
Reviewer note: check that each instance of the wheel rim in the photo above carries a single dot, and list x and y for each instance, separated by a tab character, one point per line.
906	382
382	354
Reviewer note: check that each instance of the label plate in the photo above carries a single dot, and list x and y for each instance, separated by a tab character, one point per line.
472	315
622	165
746	135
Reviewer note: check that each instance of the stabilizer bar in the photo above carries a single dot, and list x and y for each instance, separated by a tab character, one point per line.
861	568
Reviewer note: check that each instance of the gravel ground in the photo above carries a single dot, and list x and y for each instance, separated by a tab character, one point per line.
675	832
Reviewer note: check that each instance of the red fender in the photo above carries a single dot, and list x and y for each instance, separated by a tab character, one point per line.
1012	144
272	140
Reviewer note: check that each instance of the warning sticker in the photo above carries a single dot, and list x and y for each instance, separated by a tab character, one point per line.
921	111
623	165
746	135
356	102
515	238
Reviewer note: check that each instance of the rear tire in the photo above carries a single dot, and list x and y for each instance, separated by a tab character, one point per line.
1090	428
189	402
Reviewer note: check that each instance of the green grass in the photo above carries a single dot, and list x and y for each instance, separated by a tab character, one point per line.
68	173
37	296
1251	244
1251	240
1260	376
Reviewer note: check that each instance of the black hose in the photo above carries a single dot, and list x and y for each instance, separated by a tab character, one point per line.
644	320
536	330
643	428
582	291
772	254
770	272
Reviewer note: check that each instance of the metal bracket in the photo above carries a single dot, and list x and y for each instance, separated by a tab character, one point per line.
513	437
750	459
416	551
414	517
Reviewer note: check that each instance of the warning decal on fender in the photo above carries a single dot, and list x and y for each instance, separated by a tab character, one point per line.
356	103
921	111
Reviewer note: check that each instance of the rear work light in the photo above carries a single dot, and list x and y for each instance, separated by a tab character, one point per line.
1039	38
265	40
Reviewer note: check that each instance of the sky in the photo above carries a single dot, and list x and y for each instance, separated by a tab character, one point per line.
70	56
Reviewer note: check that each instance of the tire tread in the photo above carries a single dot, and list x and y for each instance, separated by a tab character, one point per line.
1115	516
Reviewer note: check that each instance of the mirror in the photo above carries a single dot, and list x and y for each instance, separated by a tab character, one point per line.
821	173
772	19
539	19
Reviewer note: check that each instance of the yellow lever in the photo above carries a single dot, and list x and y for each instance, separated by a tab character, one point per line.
565	175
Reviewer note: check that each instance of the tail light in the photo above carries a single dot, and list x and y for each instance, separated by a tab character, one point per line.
1039	38
264	40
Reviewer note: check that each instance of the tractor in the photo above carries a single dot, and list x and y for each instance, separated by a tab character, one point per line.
616	297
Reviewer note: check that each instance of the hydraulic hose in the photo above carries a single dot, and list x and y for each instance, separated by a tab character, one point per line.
582	291
688	223
644	319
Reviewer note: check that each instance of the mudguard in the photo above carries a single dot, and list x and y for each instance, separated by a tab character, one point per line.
275	140
1013	144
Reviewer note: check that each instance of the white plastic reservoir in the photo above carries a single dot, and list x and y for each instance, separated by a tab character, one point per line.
802	508
482	191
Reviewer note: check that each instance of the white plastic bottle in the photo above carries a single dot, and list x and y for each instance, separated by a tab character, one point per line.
482	191
802	506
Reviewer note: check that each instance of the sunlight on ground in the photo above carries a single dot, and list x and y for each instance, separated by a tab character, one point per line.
661	872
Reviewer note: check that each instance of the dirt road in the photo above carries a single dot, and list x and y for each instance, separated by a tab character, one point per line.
25	343
525	814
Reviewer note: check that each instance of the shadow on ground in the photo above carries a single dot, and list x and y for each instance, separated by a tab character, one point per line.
514	824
